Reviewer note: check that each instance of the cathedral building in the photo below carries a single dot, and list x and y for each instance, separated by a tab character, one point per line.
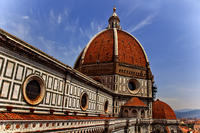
110	89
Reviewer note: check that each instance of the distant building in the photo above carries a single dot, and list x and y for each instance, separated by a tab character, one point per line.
185	129
110	89
197	127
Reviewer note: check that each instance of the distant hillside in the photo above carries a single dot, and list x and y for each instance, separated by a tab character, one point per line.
188	113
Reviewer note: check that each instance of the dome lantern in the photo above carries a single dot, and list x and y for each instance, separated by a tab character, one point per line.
114	20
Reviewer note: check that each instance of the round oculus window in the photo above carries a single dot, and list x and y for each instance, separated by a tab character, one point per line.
84	101
133	85
33	89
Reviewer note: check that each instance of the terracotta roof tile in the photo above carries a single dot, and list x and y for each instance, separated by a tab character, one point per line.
162	110
101	50
197	122
130	52
136	102
184	129
20	116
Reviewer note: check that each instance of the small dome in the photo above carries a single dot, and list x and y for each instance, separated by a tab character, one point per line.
162	110
135	102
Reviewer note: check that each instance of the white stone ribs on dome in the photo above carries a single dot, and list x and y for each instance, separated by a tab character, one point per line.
115	42
139	44
115	45
87	46
79	57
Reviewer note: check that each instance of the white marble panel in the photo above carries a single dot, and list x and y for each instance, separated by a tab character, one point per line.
71	89
1	63
19	73
75	90
70	101
5	89
59	99
66	101
29	71
55	84
9	69
53	98
44	77
124	80
16	91
50	82
124	88
48	97
61	86
74	102
78	92
77	103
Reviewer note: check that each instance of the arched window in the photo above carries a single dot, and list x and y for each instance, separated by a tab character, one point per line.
126	113
142	114
134	113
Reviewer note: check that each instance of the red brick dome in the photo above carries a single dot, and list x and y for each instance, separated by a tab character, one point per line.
114	51
110	44
162	110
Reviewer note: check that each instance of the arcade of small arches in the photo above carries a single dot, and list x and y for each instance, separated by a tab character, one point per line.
133	113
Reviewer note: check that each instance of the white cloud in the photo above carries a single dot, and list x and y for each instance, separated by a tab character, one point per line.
21	30
72	26
146	21
25	17
60	51
131	10
132	5
94	28
59	18
48	45
52	17
66	12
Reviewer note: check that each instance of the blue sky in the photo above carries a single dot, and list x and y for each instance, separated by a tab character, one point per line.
168	30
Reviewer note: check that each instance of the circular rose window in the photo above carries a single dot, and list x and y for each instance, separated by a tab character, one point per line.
84	101
33	89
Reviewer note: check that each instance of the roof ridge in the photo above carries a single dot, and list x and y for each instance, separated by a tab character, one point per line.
135	102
